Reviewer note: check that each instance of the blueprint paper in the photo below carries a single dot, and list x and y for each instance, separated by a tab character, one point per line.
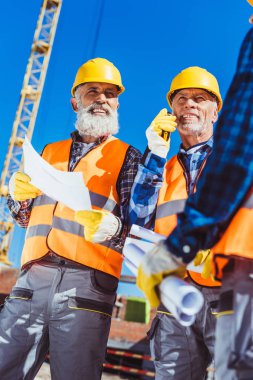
183	300
150	239
65	187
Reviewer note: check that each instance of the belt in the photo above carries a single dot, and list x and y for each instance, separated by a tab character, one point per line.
53	260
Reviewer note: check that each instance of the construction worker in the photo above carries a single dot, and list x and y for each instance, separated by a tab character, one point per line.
195	101
220	215
63	299
180	352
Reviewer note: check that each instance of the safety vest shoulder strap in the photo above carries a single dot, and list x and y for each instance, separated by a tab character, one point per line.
58	152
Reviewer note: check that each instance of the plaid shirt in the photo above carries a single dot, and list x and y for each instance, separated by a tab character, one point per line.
228	174
149	180
192	160
21	211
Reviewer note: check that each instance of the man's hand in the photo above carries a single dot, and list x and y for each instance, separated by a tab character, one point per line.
206	258
158	133
155	266
98	225
21	189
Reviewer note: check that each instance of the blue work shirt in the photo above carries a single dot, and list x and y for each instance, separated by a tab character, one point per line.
149	180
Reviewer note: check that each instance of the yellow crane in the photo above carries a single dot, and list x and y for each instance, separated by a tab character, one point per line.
27	111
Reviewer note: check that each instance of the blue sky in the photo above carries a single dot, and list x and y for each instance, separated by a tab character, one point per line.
150	41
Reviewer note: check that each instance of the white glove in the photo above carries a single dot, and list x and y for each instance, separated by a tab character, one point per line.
158	133
98	225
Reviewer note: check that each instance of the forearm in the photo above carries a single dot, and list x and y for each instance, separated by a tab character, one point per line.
124	185
145	190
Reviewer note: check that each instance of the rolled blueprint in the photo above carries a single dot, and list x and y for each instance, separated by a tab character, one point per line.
181	299
144	233
150	238
181	295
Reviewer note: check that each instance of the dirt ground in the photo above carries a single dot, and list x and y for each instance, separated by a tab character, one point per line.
44	374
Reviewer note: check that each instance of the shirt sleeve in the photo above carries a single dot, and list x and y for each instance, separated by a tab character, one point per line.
124	185
145	190
228	174
20	211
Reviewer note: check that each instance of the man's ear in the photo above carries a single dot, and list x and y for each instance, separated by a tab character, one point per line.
118	106
74	104
215	116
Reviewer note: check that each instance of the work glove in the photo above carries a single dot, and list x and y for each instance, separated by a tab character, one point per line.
155	266
206	258
98	225
158	133
21	189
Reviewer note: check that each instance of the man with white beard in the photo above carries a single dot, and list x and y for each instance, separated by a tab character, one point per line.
63	299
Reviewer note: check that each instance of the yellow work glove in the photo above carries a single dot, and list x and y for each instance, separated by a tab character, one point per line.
158	133
98	225
206	258
155	266
21	189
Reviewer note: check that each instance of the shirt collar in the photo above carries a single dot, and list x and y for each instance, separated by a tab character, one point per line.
78	139
198	148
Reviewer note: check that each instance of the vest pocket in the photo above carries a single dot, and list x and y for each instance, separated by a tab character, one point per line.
78	303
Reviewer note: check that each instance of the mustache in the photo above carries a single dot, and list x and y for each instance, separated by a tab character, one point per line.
100	106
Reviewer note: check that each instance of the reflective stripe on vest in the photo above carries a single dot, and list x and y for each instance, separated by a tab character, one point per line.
104	203
237	239
170	208
171	201
52	225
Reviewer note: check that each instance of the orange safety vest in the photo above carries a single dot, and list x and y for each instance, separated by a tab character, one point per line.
171	201
52	226
237	239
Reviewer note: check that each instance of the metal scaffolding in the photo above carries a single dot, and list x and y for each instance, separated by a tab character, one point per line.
27	111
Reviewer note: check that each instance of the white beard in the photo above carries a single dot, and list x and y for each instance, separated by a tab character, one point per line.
192	128
96	126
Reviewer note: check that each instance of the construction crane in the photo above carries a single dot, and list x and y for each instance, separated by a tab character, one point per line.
27	111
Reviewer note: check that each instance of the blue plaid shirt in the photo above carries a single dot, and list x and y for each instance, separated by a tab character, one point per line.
228	174
149	180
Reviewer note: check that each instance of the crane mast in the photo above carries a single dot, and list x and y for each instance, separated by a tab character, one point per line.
27	111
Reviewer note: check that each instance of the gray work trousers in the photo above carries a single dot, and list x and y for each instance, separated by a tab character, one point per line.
59	308
184	353
234	331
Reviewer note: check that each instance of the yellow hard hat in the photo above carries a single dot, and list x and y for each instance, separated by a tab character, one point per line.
98	70
195	77
250	2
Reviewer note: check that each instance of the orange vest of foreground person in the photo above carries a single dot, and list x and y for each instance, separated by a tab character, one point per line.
52	226
237	240
171	201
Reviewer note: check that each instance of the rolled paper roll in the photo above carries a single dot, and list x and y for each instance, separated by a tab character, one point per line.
186	298
144	233
183	300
